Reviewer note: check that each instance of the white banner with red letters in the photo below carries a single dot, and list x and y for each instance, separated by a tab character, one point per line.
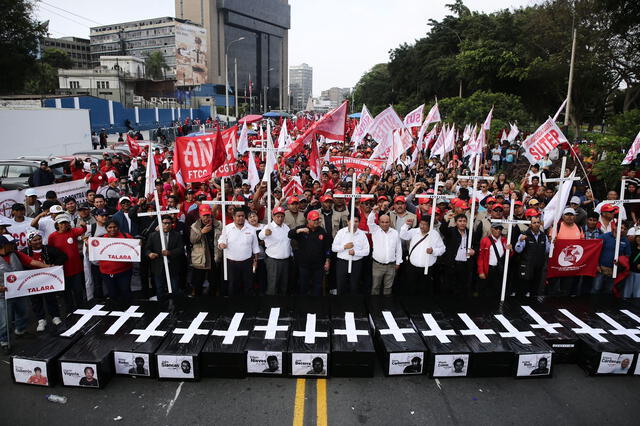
33	281
359	164
75	188
542	141
114	249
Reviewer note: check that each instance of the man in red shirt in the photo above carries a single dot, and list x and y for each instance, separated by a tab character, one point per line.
65	239
95	178
490	261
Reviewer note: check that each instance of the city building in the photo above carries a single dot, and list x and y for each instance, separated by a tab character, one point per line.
77	49
253	35
335	95
300	85
183	44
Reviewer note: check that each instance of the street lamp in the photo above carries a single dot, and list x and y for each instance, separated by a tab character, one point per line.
226	77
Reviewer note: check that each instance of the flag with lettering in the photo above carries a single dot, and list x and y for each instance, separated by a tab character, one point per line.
633	151
195	156
414	118
542	141
572	258
361	130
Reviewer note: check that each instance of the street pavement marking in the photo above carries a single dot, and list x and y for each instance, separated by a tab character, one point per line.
298	409
321	405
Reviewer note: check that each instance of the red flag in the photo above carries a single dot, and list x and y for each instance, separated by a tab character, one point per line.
294	187
314	160
196	157
298	145
574	257
219	151
333	124
134	147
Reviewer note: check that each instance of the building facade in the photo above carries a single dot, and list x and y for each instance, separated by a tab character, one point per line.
300	85
254	35
78	49
182	44
335	95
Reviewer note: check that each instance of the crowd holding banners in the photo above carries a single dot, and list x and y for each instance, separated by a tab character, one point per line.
426	223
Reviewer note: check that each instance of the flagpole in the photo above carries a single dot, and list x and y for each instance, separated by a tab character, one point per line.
224	223
163	243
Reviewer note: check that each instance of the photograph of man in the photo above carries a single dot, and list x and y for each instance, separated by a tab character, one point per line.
273	366
542	367
88	379
415	367
458	366
186	367
139	368
37	378
623	368
317	367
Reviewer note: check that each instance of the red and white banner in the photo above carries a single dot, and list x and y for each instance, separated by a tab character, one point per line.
74	188
433	116
114	249
633	151
414	118
384	123
33	281
574	257
294	187
487	121
542	141
195	157
332	125
359	164
363	125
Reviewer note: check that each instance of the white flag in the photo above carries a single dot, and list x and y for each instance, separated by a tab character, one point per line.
253	176
282	137
467	133
150	174
414	118
503	136
513	133
633	151
553	210
271	156
434	115
243	143
361	129
450	141
487	121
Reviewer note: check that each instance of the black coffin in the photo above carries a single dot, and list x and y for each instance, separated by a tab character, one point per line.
223	354
352	351
269	337
624	324
309	342
448	354
44	353
397	342
178	357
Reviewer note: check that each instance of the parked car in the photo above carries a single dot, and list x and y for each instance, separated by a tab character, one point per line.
98	154
15	174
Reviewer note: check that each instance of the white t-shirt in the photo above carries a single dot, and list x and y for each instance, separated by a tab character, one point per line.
20	230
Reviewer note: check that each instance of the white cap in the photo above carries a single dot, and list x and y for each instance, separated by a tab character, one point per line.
124	198
5	221
63	218
29	192
56	209
632	232
575	200
569	210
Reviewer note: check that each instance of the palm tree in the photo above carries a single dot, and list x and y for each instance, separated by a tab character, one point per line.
155	65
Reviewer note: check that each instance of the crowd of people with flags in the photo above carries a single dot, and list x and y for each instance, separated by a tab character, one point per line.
323	204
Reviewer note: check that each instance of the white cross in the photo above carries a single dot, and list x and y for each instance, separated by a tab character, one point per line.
151	330
124	316
585	328
621	204
193	329
540	322
310	332
509	222
631	315
350	329
272	326
475	178
87	314
353	197
436	331
474	330
619	330
397	332
233	331
514	332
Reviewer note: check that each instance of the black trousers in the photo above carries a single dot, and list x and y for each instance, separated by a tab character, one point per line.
240	276
458	279
348	283
532	284
491	286
198	276
419	284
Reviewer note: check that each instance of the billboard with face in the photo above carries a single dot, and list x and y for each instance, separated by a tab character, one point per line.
191	55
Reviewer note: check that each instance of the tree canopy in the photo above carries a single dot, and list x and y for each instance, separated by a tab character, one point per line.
155	64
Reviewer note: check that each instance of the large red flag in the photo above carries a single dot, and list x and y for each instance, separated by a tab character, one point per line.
333	124
298	145
315	165
574	257
134	147
196	157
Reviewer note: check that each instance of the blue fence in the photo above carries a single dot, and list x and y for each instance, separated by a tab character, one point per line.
99	114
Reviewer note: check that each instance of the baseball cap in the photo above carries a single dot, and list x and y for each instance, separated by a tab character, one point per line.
63	218
293	200
533	202
574	200
326	198
204	209
424	201
569	210
490	200
400	199
531	213
44	163
6	239
497	226
609	208
497	206
313	215
632	232
84	206
518	203
112	179
463	205
124	199
278	210
30	192
55	209
383	198
101	212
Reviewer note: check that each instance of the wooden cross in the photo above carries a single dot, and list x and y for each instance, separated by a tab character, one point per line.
353	197
433	197
509	222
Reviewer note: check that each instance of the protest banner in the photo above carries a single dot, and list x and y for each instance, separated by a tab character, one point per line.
359	164
633	151
384	123
74	188
574	257
542	141
194	155
33	281
414	118
114	249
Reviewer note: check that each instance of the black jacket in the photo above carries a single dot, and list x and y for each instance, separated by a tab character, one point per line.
452	240
50	255
314	247
176	252
533	256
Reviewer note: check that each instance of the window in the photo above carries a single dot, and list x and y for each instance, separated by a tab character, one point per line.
74	84
14	171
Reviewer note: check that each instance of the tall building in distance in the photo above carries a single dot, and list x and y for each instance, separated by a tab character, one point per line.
183	44
255	35
335	95
77	49
300	85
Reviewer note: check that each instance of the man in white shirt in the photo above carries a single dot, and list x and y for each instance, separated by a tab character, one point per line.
425	247
19	227
278	250
387	253
45	221
349	246
241	245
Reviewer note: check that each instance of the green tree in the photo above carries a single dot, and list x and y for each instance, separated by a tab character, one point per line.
43	79
19	35
57	58
155	65
374	89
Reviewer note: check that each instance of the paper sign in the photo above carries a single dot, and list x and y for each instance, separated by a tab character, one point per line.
264	362
30	372
79	374
453	365
405	363
534	365
114	249
33	281
131	363
175	367
303	364
612	363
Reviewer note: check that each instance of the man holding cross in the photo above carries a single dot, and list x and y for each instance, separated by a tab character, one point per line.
533	248
241	245
425	246
348	247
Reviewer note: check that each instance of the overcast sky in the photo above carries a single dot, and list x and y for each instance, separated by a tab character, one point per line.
340	39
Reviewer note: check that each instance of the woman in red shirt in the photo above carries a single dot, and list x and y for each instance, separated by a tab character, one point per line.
116	275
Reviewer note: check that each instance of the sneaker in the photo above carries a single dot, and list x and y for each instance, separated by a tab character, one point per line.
5	347
56	321
41	325
20	333
527	295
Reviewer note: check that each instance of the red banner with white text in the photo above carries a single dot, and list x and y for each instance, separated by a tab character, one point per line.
193	156
574	257
359	164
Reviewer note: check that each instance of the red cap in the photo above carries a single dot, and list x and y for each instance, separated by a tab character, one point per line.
204	209
112	179
490	200
326	198
463	205
383	198
400	199
424	201
293	200
532	213
518	203
497	206
609	208
313	215
278	210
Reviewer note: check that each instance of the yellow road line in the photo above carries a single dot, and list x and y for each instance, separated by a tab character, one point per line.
298	409
321	406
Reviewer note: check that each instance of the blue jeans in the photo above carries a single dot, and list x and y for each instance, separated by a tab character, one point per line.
119	285
602	284
632	286
17	312
160	281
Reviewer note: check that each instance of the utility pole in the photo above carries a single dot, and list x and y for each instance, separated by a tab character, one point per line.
571	66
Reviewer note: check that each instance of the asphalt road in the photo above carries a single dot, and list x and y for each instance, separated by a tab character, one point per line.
570	397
